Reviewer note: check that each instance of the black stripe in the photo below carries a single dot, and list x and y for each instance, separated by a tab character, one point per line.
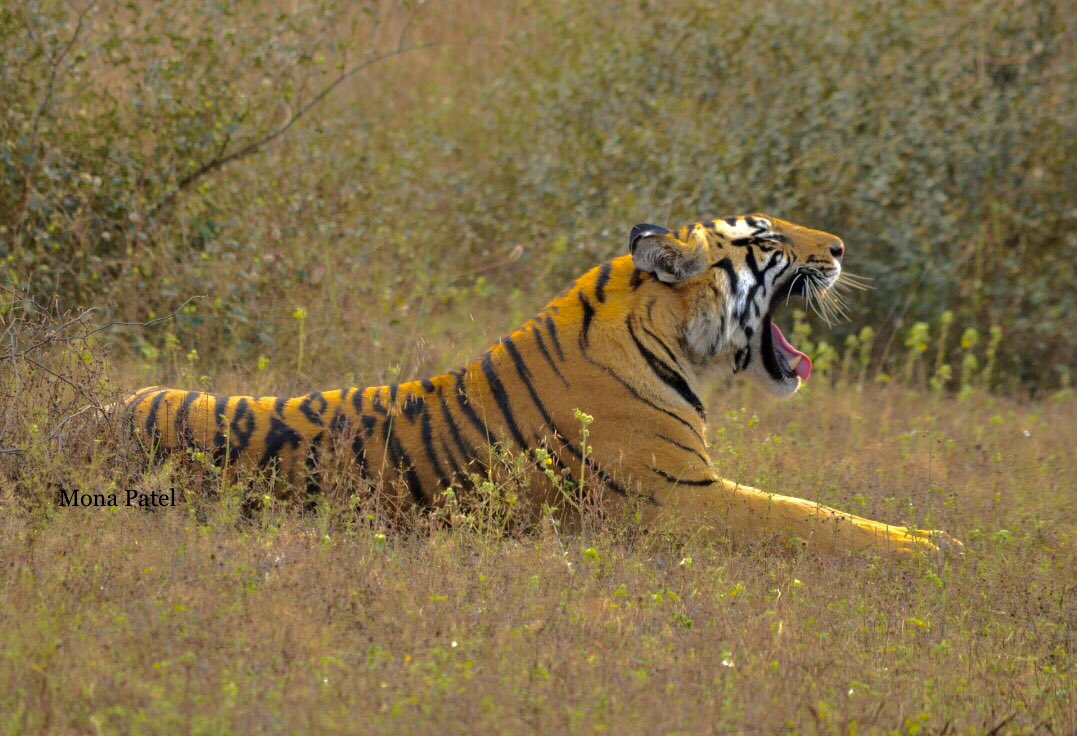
591	465
465	405
502	399
393	388
741	358
357	401
636	280
278	406
369	421
400	460
375	401
553	336
428	444
686	448
665	348
278	435
682	482
240	435
359	451
602	280
413	405
314	415
525	377
454	468
727	265
428	385
785	267
130	408
666	374
152	432
588	316
771	263
749	258
339	423
184	431
465	448
749	301
547	356
220	405
640	398
745	241
132	402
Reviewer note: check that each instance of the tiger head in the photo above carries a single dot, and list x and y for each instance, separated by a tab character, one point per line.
724	277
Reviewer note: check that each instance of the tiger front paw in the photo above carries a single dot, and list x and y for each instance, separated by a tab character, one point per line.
926	541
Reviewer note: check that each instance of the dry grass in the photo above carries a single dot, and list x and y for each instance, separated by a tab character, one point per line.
192	619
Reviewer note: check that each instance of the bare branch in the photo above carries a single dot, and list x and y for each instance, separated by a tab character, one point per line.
56	333
54	64
168	316
253	147
50	87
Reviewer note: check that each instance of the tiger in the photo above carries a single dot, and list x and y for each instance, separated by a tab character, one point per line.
628	344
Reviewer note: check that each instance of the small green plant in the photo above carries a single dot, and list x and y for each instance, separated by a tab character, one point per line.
300	316
866	339
942	372
917	340
585	421
991	355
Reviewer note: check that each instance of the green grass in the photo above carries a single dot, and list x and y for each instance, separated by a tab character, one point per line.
120	621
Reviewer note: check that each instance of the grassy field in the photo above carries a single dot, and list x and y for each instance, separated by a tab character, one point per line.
193	619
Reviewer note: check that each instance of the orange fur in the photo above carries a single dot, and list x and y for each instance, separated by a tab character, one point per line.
629	344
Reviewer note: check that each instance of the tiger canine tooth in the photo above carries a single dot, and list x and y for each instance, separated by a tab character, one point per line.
794	362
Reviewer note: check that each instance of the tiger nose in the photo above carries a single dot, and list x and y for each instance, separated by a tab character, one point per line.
837	249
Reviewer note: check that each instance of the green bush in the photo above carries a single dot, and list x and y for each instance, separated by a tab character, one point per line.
936	139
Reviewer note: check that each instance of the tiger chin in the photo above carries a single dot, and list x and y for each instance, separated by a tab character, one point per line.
629	343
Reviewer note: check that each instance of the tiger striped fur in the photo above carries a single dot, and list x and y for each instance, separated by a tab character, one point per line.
628	343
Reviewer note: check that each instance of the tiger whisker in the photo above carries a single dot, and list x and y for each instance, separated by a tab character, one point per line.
791	285
853	281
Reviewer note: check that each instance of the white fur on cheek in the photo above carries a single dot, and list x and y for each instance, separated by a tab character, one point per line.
703	334
708	331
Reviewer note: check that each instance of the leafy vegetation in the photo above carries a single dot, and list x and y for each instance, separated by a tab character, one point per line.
189	146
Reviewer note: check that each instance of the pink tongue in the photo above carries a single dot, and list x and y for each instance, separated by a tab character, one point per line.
803	368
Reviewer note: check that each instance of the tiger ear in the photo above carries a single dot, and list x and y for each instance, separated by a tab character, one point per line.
655	250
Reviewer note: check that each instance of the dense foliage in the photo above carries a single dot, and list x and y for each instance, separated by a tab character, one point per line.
490	169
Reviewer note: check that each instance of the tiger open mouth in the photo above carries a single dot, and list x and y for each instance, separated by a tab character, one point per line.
780	358
790	360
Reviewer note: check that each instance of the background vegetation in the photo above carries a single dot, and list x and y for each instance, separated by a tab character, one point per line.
271	197
492	168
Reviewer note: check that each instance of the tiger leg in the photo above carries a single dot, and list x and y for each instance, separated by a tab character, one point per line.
745	513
